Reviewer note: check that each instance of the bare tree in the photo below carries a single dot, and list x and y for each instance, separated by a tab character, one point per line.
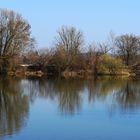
14	33
128	47
69	40
104	48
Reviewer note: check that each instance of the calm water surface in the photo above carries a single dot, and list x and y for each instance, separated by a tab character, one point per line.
46	109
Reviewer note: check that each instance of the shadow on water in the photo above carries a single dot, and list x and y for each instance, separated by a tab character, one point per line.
16	95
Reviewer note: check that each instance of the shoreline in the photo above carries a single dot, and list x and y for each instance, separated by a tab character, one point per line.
69	74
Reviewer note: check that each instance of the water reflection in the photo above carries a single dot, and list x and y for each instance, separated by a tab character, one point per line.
128	97
16	95
68	93
14	106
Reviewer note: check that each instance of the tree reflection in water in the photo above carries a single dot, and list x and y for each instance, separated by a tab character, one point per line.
13	107
68	92
123	92
128	97
16	94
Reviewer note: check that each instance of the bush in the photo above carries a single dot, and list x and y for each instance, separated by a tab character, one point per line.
110	65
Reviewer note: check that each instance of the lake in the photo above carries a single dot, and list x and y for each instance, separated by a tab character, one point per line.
107	108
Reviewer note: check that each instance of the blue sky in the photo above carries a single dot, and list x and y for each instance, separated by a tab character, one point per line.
96	18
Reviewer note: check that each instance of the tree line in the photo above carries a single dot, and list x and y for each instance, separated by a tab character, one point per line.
69	54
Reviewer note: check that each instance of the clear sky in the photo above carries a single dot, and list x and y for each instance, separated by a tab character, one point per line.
96	18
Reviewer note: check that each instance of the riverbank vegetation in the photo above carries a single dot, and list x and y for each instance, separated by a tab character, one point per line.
69	57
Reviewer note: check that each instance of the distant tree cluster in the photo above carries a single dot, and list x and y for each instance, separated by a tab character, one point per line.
68	53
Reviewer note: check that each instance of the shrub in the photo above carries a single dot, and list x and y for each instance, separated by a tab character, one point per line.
110	65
